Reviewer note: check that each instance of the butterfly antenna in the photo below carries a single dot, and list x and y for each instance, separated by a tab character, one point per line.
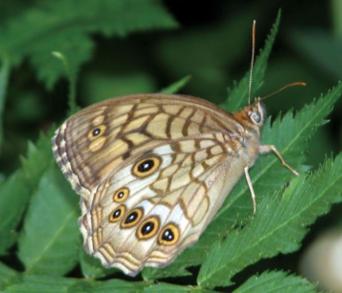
252	63
292	84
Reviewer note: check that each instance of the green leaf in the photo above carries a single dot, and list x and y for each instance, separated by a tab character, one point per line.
278	227
276	282
117	285
92	268
170	288
50	240
191	256
65	26
53	284
7	276
41	284
291	136
16	190
13	201
239	95
48	284
37	160
177	86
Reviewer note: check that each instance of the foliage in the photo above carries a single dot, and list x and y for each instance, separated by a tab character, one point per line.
275	282
66	25
278	228
17	190
40	243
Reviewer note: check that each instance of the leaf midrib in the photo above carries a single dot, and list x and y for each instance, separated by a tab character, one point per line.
51	242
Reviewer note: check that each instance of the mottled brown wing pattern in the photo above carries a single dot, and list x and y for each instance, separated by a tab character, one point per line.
175	198
95	141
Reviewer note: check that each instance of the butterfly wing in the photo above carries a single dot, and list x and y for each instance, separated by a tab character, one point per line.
96	140
158	216
189	149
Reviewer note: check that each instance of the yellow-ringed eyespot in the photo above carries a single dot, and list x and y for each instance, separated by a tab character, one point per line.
169	234
146	166
121	194
133	217
148	228
96	132
117	214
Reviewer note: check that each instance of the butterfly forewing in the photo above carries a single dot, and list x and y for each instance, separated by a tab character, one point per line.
90	144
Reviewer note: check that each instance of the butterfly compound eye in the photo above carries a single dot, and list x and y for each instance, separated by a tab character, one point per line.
255	117
146	166
257	113
117	214
169	235
148	228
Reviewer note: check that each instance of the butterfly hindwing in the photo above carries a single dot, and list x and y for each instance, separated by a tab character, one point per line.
162	213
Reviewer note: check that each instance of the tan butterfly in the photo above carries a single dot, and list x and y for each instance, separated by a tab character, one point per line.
152	170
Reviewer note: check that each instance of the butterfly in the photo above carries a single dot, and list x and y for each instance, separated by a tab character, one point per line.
152	170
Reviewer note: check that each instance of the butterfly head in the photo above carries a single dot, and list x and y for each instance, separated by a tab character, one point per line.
252	116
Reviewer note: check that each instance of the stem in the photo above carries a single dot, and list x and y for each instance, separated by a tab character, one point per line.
336	12
4	74
71	75
72	93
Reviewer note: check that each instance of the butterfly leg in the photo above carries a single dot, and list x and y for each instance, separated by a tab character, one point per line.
268	148
251	189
